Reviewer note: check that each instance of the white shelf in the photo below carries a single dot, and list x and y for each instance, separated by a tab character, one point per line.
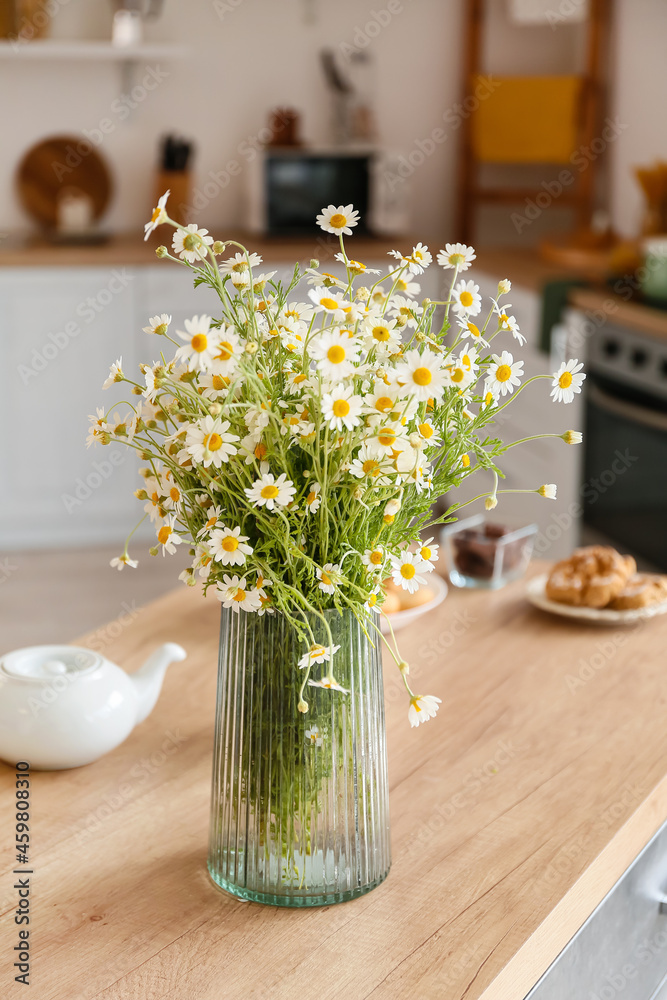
55	50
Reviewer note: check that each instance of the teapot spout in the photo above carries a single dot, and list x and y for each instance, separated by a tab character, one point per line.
148	679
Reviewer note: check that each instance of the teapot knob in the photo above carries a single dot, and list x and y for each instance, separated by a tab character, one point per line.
55	667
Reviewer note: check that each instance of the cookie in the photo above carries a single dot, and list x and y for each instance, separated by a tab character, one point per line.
591	577
641	590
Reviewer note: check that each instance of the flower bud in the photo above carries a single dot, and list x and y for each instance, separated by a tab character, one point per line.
362	294
251	347
357	493
215	409
141	494
161	252
491	502
572	437
302	706
153	550
136	391
504	286
404	667
548	491
392	506
314	263
218	247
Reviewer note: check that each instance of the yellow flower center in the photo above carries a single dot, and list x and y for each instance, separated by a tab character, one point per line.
426	430
338	220
465	461
389	518
328	303
401	285
239	595
407	571
422	376
455	259
156	214
341	408
466	299
474	330
370	467
503	373
376	558
298	379
381	333
213	442
386	437
199	342
269	492
425	552
488	399
191	241
503	318
384	404
240	266
163	534
225	351
565	380
175	494
336	354
316	650
372	600
326	579
311	498
260	450
219	382
458	375
230	543
466	362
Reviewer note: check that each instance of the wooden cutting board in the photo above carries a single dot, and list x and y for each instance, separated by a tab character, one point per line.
56	166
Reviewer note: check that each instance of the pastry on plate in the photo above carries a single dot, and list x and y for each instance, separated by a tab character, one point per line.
591	577
641	590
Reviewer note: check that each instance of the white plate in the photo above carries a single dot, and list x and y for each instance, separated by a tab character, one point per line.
536	594
399	619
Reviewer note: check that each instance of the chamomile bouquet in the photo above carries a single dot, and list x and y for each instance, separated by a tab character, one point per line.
297	442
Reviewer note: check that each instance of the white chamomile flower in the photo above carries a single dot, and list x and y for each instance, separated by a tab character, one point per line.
264	598
297	382
339	221
270	492
173	495
313	737
313	498
329	684
335	354
367	463
387	439
466	300
428	433
421	375
382	399
209	442
228	546
503	374
200	343
507	322
567	381
417	261
329	302
239	267
572	437
374	559
115	374
459	374
384	335
406	571
456	255
341	408
227	351
213	517
317	654
158	217
190	243
158	324
422	708
470	329
299	311
328	577
167	537
355	266
404	286
154	505
372	603
213	385
234	593
428	552
120	562
405	311
548	491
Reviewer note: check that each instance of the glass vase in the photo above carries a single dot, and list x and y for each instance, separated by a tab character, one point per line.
300	812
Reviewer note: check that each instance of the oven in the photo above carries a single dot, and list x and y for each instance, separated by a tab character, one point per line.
625	480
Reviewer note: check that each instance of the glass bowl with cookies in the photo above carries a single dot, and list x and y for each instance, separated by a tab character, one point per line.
599	584
486	554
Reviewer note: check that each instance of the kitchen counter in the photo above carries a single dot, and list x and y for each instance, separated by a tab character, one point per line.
513	813
603	303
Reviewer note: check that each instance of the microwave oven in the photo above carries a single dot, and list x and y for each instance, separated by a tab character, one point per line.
289	186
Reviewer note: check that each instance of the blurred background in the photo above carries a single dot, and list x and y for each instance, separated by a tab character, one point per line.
532	129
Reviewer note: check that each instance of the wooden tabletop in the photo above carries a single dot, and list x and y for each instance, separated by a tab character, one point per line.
513	813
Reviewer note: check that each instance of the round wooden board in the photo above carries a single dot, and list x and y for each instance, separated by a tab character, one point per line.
55	165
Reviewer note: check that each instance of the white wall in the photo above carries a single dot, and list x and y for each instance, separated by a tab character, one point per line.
250	55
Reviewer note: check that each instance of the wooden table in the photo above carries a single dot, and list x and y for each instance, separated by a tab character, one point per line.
513	813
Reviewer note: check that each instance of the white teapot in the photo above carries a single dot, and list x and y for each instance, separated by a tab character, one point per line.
64	706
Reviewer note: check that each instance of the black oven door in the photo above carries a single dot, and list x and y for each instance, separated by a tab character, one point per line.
625	488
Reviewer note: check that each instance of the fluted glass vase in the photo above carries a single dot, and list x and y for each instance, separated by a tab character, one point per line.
300	811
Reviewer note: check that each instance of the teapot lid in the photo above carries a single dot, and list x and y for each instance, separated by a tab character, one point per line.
45	663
